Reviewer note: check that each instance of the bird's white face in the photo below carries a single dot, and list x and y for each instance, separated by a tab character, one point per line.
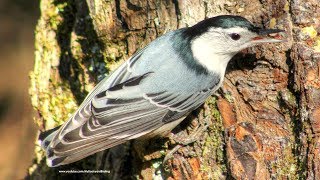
235	39
217	46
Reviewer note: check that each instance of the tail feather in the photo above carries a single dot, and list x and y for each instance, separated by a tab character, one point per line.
46	137
54	161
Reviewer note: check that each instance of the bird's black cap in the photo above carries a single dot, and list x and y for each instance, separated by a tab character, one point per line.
223	21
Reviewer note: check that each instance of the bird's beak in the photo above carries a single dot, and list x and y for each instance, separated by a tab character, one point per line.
268	36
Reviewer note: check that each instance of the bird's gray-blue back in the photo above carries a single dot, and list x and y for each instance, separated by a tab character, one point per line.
170	72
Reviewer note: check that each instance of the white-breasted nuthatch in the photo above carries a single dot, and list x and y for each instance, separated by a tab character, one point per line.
155	89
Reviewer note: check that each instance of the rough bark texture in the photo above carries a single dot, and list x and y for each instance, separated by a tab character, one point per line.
264	123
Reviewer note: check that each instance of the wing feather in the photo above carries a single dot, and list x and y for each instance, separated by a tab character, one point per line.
120	108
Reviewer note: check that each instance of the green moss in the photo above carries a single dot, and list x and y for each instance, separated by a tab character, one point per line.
287	100
285	167
290	165
228	97
61	98
213	148
51	97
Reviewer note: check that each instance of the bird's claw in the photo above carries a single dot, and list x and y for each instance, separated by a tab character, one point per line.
183	141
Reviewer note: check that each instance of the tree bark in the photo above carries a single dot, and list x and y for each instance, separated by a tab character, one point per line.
264	122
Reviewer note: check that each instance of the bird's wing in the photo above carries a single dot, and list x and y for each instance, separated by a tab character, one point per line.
112	120
120	108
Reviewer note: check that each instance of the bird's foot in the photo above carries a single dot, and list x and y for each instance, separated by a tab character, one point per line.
183	141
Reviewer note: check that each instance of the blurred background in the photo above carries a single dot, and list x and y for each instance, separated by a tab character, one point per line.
17	130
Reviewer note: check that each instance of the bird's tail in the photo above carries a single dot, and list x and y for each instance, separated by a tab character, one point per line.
46	137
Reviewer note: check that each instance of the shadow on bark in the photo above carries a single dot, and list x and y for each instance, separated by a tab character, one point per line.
70	70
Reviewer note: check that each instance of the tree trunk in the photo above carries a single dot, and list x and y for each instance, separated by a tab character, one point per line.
264	122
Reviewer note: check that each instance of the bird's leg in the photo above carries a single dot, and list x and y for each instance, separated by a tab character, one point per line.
183	141
193	137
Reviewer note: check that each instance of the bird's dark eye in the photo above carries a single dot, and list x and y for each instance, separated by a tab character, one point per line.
235	36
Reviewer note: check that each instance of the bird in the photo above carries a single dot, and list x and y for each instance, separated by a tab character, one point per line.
155	89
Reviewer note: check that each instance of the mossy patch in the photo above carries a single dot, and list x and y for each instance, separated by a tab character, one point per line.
213	148
285	166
